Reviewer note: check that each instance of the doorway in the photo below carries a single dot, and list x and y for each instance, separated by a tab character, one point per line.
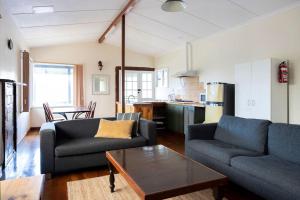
139	84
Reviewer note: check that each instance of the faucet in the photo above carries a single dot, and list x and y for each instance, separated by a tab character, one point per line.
129	97
171	97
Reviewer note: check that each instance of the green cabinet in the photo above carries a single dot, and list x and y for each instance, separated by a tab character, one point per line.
193	115
179	117
175	118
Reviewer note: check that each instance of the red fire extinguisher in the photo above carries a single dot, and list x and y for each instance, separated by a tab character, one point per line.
283	74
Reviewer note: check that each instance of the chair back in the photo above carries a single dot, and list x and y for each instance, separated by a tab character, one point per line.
92	112
90	109
48	114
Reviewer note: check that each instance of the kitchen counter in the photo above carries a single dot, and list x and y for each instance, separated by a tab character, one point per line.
174	116
195	104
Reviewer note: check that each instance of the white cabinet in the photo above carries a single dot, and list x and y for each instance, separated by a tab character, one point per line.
258	94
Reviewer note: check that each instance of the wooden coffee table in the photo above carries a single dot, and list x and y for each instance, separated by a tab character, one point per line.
157	172
27	188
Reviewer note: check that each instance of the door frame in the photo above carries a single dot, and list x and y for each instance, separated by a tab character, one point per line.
117	79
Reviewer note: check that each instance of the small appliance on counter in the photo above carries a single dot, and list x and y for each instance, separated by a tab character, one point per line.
202	98
219	101
171	97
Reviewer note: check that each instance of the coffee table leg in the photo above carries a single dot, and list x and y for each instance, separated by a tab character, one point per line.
218	193
111	177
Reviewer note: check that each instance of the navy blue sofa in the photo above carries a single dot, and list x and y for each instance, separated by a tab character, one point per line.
71	145
261	156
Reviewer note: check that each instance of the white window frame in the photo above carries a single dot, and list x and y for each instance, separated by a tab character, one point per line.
139	85
32	93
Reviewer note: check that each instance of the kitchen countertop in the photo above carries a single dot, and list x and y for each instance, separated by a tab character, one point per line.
195	104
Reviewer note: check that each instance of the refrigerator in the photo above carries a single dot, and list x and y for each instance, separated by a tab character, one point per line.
219	101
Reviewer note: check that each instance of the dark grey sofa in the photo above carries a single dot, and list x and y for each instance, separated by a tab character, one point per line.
71	145
256	154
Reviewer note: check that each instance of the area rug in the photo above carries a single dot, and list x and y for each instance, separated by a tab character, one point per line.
98	189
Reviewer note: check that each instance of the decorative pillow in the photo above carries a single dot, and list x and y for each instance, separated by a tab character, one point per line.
131	116
115	129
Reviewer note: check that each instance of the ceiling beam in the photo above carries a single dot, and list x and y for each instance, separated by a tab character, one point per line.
117	19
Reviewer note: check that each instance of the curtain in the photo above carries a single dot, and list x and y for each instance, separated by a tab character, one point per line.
78	85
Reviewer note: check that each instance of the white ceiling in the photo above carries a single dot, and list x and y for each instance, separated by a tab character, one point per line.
149	30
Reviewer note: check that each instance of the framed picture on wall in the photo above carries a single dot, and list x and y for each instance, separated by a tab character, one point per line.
100	84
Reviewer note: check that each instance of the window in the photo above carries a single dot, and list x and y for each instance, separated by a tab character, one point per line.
53	83
139	86
131	86
147	85
162	78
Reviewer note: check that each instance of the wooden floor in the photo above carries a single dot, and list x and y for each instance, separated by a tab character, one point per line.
27	163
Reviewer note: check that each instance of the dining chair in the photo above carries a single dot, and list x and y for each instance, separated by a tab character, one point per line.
92	112
90	108
49	115
87	114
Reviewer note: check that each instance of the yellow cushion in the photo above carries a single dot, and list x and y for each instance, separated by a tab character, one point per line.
115	129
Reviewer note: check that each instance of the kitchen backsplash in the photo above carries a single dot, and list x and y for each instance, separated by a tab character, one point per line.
189	89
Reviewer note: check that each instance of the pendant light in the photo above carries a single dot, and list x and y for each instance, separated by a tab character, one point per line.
173	5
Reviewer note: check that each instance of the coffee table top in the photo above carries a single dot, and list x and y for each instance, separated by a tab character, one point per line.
27	188
157	171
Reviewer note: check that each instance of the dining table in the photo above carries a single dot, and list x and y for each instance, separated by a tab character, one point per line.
75	110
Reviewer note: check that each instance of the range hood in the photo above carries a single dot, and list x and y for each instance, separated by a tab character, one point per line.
189	72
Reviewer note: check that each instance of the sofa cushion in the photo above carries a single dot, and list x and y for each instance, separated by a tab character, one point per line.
121	129
219	150
271	169
246	133
131	116
71	129
284	141
95	145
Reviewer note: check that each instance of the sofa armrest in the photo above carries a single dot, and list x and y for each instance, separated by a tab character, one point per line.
201	131
47	146
148	130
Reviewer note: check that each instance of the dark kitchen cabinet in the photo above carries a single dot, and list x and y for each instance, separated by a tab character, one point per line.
193	115
8	122
175	118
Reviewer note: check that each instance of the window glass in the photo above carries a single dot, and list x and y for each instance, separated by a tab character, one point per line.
53	84
138	86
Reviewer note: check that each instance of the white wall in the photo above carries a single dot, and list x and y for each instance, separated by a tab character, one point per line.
89	54
274	36
10	62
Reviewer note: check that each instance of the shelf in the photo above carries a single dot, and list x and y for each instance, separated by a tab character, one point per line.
159	118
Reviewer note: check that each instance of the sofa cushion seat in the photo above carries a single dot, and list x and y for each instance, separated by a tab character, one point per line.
271	169
81	146
219	150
